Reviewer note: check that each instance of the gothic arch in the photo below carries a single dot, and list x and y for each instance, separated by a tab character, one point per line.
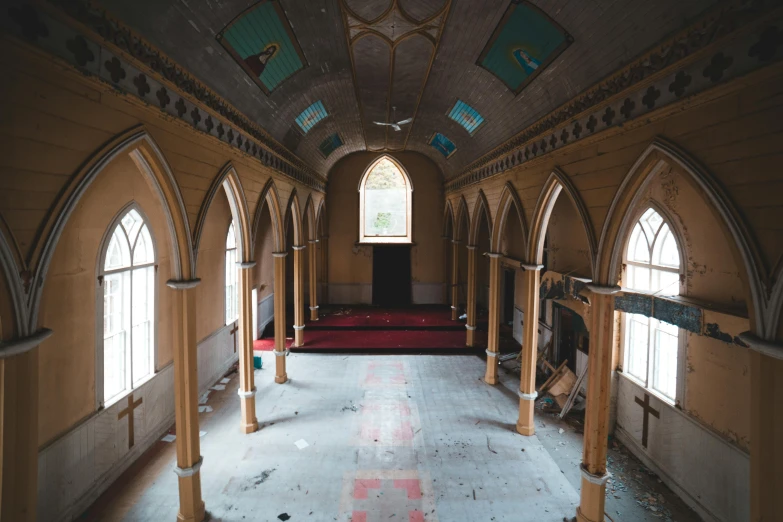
480	206
309	218
149	159
555	184
462	214
658	155
270	199
228	179
448	221
508	198
320	219
11	271
293	211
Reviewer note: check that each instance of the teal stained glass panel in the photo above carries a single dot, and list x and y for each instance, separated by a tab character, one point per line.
311	115
443	145
330	144
466	116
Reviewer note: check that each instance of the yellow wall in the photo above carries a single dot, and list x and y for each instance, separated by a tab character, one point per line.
349	263
211	292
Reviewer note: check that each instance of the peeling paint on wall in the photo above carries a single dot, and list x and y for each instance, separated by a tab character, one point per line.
713	330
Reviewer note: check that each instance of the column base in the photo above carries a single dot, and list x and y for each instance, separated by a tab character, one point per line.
470	342
490	379
280	379
298	336
580	517
313	315
454	315
250	428
592	498
199	516
527	431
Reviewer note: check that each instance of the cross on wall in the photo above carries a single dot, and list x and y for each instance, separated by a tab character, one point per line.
647	410
233	333
129	412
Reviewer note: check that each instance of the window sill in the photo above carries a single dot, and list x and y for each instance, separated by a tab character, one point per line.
658	395
385	242
124	394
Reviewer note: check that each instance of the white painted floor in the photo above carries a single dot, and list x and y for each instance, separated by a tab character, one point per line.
400	438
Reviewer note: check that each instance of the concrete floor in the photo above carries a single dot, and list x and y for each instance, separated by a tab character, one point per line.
405	438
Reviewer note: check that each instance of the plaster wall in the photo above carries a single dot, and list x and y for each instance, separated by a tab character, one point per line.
350	265
211	292
567	246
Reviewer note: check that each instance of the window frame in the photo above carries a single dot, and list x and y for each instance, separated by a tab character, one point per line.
653	323
407	239
235	249
101	272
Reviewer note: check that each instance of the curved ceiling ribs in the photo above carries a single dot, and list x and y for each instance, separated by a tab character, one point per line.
392	44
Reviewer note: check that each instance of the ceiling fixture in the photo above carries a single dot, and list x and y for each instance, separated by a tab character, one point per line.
395	126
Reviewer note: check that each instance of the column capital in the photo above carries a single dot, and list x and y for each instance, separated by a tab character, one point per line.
494	255
247	394
469	327
313	241
246	264
456	241
189	472
471	247
314	307
183	284
605	290
763	346
599	480
491	354
282	354
23	344
279	254
530	268
299	327
299	247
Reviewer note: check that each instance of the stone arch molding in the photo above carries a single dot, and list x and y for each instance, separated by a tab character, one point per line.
480	206
228	180
11	272
508	198
555	184
152	164
657	156
270	200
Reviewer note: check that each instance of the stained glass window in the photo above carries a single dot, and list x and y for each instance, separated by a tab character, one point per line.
652	263
128	280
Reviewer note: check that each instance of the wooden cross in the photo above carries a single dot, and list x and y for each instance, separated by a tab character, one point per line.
233	333
129	412
645	404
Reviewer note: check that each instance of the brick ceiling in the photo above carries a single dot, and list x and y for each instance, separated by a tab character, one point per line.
389	60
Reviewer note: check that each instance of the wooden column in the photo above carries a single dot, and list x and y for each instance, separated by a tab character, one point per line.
527	381
313	267
247	389
325	267
454	279
493	340
766	427
471	304
280	348
191	506
299	295
599	375
19	427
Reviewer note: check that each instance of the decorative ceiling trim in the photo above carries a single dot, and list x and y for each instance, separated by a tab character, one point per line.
99	46
356	28
689	63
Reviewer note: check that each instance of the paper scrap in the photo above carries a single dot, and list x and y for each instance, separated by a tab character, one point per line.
203	399
225	380
301	444
205	409
169	438
202	433
218	387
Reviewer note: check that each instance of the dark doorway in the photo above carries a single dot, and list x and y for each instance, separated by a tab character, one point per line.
571	334
391	275
508	296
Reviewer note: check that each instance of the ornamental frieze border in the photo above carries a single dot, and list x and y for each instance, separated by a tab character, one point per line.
56	37
746	52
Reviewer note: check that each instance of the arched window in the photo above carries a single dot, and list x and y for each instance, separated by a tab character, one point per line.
232	304
652	262
128	278
385	195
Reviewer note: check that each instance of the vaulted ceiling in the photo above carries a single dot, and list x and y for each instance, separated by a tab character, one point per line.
470	74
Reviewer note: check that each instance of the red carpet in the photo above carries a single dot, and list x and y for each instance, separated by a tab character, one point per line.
360	317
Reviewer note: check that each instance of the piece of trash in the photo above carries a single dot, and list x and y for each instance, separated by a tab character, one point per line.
203	399
301	444
283	516
561	431
225	380
202	433
219	387
463	316
205	409
169	438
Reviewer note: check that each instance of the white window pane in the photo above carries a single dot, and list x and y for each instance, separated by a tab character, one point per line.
232	306
231	239
641	279
118	252
666	252
664	375
385	201
142	327
114	335
638	249
665	283
132	222
143	252
651	221
637	339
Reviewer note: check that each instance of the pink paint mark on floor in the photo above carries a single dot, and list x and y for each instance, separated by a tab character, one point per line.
371	433
404	433
412	487
361	516
360	487
415	516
